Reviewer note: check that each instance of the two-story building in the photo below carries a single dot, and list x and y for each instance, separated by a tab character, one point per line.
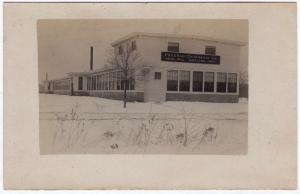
175	68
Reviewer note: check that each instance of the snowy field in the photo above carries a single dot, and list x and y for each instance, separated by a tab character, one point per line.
88	125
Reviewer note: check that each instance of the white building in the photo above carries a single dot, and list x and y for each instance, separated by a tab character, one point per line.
175	67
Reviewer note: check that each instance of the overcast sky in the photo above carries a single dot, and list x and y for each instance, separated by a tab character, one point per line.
64	45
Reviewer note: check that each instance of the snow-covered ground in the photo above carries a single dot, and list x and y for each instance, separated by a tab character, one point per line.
78	125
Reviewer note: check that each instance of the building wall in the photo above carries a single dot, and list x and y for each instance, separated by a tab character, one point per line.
150	89
202	97
150	49
118	95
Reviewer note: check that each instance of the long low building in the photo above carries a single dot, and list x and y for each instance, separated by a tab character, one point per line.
175	68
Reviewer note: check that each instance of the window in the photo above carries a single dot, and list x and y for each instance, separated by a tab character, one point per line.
88	83
93	83
133	45
172	82
98	82
221	82
209	82
120	49
232	83
80	83
106	81
157	75
210	50
115	80
119	80
184	81
197	81
131	84
173	47
111	81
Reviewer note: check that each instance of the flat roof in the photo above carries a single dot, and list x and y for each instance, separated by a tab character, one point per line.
180	36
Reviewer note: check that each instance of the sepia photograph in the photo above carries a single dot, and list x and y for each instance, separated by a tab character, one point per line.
128	96
143	86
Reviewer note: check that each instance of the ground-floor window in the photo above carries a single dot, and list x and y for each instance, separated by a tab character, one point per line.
232	82
88	83
184	81
119	78
209	82
110	81
94	83
172	81
221	82
98	82
80	84
197	81
180	81
131	84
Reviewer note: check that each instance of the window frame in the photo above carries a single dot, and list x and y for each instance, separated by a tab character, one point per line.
183	81
213	88
202	81
157	75
210	47
172	46
80	83
217	82
133	45
236	83
177	80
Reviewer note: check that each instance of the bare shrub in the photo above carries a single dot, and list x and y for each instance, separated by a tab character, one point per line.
71	130
144	131
167	134
209	135
114	146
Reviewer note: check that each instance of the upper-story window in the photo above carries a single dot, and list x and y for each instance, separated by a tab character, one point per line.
210	50
173	46
133	45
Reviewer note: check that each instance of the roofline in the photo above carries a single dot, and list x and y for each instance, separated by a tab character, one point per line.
160	35
59	79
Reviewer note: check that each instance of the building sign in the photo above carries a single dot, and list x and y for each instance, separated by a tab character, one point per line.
190	58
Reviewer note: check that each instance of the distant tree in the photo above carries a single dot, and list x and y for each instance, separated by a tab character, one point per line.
126	59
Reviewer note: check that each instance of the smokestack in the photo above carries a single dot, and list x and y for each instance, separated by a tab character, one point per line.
91	59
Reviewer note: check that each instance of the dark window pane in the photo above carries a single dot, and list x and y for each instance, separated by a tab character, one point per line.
80	83
173	47
118	80
209	82
184	81
232	82
221	82
172	82
133	45
101	83
120	50
131	84
157	75
210	50
197	81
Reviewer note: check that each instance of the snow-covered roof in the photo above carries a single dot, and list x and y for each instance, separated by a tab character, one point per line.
180	36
